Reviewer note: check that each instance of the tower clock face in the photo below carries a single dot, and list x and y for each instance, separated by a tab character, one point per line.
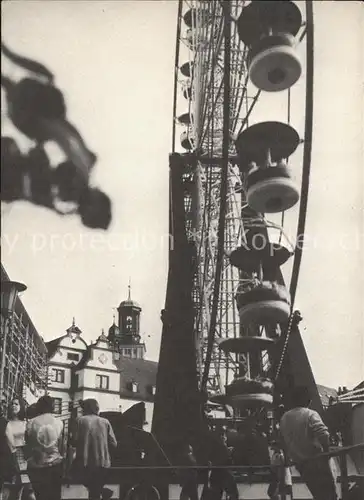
103	358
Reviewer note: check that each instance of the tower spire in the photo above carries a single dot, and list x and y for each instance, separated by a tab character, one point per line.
129	289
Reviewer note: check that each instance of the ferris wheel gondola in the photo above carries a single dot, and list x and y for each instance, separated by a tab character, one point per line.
243	118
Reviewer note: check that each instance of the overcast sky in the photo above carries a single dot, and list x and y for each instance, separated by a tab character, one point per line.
114	62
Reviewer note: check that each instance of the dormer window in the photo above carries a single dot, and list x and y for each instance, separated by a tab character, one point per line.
153	389
134	386
72	356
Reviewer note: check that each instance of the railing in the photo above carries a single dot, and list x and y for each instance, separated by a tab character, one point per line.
345	479
148	479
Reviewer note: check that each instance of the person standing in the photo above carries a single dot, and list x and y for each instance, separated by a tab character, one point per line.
280	485
214	451
305	436
4	447
17	484
43	438
188	477
93	438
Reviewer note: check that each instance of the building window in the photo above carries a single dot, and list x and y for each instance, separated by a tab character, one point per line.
102	382
151	389
57	406
134	386
127	352
72	356
58	375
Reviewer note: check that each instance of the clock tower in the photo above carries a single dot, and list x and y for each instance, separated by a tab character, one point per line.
126	336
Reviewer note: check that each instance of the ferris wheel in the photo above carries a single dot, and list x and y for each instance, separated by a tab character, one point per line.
242	122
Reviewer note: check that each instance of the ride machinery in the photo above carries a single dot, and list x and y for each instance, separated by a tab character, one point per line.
239	177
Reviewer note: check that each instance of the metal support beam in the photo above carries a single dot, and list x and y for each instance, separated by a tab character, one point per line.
223	190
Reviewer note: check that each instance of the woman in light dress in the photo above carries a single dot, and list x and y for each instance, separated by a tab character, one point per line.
18	486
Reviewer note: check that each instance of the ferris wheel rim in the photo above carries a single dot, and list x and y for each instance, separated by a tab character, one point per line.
307	150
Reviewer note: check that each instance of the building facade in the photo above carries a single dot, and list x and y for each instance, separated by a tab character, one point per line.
113	370
23	355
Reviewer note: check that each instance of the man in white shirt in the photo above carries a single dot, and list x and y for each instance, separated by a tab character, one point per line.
43	437
306	436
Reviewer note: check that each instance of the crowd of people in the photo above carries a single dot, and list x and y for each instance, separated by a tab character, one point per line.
301	440
31	459
32	464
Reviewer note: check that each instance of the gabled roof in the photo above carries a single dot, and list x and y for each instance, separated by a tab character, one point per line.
142	371
84	359
87	354
325	393
52	345
359	386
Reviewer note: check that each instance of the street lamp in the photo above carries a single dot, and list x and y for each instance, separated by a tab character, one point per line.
9	294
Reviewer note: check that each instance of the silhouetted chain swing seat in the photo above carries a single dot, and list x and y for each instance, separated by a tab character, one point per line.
37	108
